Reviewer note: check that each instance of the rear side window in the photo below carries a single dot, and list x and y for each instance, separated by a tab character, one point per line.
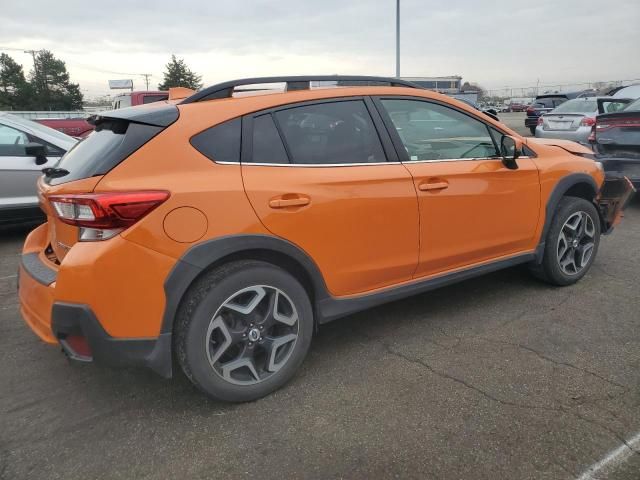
330	133
267	144
220	143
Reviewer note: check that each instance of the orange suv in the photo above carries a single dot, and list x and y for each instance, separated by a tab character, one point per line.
222	229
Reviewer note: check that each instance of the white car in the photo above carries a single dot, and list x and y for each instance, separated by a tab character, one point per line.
26	148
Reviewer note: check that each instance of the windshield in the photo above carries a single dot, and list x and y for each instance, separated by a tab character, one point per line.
578	105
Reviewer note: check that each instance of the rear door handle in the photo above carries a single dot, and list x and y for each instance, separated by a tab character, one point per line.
426	186
283	202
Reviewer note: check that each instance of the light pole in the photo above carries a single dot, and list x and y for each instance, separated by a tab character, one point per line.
398	38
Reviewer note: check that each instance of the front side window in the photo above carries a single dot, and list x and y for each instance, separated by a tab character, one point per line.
330	133
430	131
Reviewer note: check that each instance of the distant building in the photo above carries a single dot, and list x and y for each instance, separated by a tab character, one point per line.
440	84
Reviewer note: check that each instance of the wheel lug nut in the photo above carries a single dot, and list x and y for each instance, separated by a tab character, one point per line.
251	344
261	327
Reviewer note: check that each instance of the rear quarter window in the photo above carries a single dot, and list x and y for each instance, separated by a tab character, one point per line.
220	143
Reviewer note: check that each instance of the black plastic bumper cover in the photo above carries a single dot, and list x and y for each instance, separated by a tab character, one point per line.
76	319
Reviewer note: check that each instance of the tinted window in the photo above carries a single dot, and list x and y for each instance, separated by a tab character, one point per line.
432	132
267	144
109	144
220	143
330	133
153	98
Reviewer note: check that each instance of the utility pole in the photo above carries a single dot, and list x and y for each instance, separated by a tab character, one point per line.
146	79
398	38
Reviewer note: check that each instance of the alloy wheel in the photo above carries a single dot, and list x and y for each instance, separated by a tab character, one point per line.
576	243
252	335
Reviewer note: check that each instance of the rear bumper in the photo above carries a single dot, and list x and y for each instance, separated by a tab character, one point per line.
614	196
55	321
616	167
69	319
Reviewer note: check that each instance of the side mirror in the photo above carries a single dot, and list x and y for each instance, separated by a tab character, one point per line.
36	150
510	148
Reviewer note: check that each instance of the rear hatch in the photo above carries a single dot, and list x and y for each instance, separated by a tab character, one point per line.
117	135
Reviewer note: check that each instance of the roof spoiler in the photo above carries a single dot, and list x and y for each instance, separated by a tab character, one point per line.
159	114
178	93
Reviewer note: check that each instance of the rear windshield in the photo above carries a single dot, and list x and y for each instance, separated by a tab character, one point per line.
110	143
633	107
578	105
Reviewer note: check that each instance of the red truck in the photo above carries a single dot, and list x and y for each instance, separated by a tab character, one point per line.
79	127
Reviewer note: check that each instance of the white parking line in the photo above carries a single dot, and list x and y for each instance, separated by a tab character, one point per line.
612	459
8	276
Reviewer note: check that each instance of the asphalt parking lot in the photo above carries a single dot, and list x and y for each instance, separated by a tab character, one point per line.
500	377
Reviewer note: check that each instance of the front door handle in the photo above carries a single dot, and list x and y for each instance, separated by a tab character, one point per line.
426	186
285	201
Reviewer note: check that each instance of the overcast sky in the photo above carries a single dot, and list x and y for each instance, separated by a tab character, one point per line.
494	43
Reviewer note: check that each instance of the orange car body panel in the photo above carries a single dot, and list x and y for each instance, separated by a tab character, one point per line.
371	212
384	230
497	211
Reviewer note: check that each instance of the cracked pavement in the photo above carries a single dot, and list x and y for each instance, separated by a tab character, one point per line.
497	377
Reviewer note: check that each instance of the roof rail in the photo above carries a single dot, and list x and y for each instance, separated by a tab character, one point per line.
226	89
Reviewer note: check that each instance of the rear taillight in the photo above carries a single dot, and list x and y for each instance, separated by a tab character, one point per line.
618	123
588	122
531	111
540	121
102	215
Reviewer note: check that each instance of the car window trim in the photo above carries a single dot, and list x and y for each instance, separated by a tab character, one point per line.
246	147
402	153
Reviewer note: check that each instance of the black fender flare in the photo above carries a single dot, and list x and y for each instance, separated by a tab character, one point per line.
560	189
203	255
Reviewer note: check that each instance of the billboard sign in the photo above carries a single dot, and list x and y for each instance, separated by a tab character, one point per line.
120	84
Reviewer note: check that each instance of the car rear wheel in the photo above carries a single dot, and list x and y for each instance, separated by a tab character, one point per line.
571	243
243	330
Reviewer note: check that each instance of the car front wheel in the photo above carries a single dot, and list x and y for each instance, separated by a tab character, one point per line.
571	243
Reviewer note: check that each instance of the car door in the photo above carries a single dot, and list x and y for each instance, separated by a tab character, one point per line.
320	175
472	208
18	171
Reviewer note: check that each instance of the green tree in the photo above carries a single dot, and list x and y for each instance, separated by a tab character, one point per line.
52	88
177	74
14	88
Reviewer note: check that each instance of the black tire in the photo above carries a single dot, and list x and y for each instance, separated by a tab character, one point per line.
532	130
550	269
206	297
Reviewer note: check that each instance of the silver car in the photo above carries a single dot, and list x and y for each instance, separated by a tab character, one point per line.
26	148
574	119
